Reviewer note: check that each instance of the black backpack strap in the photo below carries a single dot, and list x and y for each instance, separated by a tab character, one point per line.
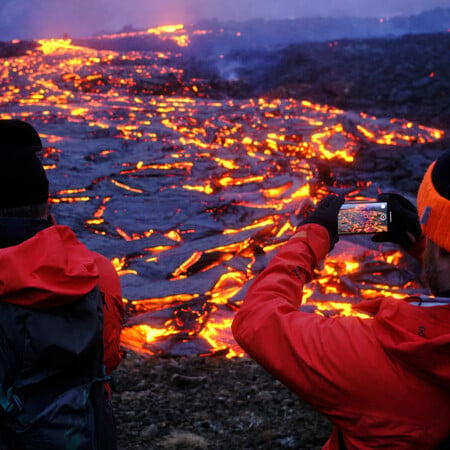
9	359
105	425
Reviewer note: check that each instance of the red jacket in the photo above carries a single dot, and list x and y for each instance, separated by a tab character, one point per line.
384	382
53	268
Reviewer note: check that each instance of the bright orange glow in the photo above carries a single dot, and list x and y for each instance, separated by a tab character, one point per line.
79	111
100	211
206	189
181	39
165	29
394	258
134	337
126	187
276	192
153	304
51	46
256	224
134	236
228	164
174	235
230	181
227	286
95	221
188	263
376	293
302	192
156	249
368	134
71	191
119	264
69	199
218	335
140	166
342	309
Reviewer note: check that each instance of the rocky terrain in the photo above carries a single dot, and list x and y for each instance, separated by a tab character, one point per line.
209	403
406	76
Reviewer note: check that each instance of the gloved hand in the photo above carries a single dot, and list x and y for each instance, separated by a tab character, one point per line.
326	214
405	227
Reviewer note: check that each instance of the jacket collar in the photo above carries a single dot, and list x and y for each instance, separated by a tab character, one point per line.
15	230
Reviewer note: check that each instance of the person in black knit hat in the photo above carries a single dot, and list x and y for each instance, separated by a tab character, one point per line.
61	315
22	178
383	381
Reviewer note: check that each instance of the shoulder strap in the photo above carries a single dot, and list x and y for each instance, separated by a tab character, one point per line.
9	358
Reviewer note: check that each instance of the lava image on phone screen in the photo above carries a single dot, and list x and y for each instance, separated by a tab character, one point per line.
363	218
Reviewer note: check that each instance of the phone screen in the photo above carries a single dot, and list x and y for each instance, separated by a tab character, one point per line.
363	218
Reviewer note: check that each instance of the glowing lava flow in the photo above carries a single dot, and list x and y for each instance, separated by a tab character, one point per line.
191	197
171	30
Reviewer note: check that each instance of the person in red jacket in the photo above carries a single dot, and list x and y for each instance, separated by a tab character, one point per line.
384	382
50	283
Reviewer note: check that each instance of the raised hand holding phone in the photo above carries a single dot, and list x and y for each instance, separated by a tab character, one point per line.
392	218
405	227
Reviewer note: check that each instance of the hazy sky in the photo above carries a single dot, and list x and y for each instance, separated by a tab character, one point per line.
25	19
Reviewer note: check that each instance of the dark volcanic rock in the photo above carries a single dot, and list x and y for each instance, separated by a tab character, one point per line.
407	76
209	403
16	48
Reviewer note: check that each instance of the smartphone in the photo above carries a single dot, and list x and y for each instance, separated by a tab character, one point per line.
364	218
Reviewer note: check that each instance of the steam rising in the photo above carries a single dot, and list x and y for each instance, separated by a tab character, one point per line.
31	19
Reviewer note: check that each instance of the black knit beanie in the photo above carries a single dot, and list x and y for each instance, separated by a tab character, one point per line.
22	178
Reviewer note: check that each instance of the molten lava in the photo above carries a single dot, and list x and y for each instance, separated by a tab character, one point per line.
190	197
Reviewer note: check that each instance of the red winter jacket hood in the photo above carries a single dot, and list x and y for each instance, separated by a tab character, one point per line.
49	269
417	337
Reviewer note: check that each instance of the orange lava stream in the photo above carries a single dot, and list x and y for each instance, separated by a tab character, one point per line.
251	163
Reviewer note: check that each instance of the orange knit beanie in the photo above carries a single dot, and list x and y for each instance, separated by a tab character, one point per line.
433	202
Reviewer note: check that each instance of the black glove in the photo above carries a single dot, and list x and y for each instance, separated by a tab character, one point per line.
405	227
326	214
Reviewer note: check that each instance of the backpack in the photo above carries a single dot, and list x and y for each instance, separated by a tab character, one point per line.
52	377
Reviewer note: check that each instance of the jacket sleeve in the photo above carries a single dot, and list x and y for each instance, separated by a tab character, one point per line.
304	351
109	285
